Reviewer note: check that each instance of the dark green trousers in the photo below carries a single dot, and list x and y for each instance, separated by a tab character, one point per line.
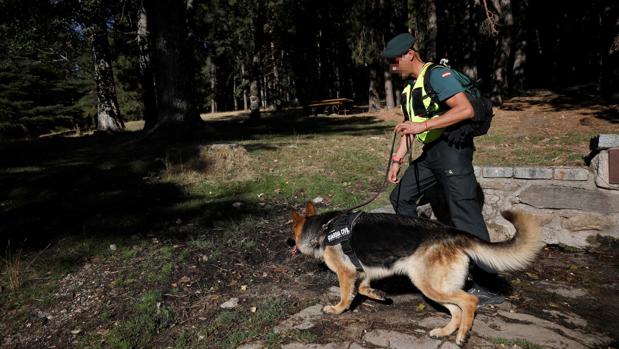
452	168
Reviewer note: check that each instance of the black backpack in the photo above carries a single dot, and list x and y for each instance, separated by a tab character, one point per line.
482	105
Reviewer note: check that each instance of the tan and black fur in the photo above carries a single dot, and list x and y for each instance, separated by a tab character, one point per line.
434	256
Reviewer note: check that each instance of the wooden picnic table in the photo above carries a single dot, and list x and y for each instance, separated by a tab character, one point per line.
331	106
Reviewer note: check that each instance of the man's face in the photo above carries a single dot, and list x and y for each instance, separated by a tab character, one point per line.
402	65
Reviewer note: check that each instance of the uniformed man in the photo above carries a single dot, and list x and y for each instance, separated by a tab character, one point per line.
449	164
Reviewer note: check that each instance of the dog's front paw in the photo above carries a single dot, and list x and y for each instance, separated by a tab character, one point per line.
437	332
330	309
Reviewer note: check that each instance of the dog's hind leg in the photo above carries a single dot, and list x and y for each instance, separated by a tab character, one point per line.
346	277
365	289
454	323
466	302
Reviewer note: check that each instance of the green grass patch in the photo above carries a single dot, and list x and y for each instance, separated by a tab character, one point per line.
233	327
147	318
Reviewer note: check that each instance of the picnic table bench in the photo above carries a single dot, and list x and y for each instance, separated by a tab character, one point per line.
331	106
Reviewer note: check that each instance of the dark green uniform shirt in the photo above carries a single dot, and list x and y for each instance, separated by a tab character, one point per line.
444	83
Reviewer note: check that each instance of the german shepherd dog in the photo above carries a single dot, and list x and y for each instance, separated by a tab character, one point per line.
434	256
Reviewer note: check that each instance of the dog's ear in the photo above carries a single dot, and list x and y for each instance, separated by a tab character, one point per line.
310	209
296	218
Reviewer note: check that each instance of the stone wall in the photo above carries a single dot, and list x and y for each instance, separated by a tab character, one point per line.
571	208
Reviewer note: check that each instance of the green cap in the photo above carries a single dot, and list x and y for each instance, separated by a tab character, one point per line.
398	45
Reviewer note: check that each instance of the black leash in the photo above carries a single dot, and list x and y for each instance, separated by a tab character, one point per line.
383	186
342	236
380	190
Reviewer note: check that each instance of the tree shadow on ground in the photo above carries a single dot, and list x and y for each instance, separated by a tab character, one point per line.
110	184
291	122
564	99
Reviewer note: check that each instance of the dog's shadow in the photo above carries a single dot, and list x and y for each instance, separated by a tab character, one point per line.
395	286
401	285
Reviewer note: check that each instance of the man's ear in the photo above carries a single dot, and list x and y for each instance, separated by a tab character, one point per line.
310	209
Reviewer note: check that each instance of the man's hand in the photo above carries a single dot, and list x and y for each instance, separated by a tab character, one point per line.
408	128
393	172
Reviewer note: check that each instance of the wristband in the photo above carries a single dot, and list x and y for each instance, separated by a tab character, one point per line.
396	160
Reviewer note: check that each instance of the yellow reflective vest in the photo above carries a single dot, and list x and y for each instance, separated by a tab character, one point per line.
430	106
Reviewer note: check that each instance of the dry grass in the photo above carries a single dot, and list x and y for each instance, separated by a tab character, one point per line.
15	269
215	162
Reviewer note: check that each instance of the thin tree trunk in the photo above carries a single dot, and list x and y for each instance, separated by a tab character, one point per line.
264	92
108	113
173	64
254	91
213	87
503	51
276	92
389	90
472	22
520	52
608	46
147	79
432	30
374	100
243	77
235	102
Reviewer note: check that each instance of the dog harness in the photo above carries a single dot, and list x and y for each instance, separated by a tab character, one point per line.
339	231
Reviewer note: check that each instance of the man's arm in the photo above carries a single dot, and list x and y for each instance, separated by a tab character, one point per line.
460	109
400	153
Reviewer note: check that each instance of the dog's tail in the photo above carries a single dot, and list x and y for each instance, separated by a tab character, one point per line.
513	254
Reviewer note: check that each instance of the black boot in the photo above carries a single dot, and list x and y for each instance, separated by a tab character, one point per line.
488	287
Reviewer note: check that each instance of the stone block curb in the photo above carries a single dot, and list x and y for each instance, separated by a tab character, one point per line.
606	141
497	172
534	172
571	174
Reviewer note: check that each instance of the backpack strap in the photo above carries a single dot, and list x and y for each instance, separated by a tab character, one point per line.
428	86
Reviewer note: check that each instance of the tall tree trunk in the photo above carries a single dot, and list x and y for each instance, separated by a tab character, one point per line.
264	91
213	87
255	70
432	30
520	51
503	51
608	46
108	113
147	79
374	99
173	64
471	22
389	90
243	76
235	102
254	91
276	92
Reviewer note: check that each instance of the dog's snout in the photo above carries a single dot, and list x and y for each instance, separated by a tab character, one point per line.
290	242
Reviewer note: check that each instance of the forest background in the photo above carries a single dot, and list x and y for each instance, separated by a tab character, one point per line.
93	64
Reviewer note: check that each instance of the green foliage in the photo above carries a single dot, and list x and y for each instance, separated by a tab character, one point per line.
36	98
142	324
